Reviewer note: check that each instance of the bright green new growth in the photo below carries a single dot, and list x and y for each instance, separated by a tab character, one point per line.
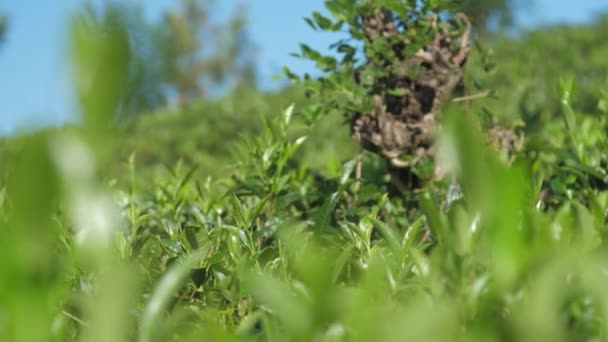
279	251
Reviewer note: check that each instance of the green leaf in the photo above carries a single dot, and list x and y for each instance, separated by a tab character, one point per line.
433	216
327	64
184	180
190	232
290	75
289	308
322	21
567	87
341	261
336	26
323	216
603	105
288	113
356	34
397	92
347	170
310	53
387	233
310	23
338	10
164	292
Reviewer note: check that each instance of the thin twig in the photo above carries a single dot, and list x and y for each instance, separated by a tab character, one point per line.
75	319
358	172
471	97
426	237
464	42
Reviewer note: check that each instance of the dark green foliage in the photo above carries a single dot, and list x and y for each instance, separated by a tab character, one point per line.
483	12
3	27
204	133
566	146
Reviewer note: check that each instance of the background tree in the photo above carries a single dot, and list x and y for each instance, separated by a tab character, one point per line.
483	12
186	53
199	54
144	89
3	27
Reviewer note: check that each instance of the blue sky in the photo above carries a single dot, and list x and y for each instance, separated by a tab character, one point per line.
34	82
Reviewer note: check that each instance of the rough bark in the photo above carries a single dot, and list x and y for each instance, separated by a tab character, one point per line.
404	125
